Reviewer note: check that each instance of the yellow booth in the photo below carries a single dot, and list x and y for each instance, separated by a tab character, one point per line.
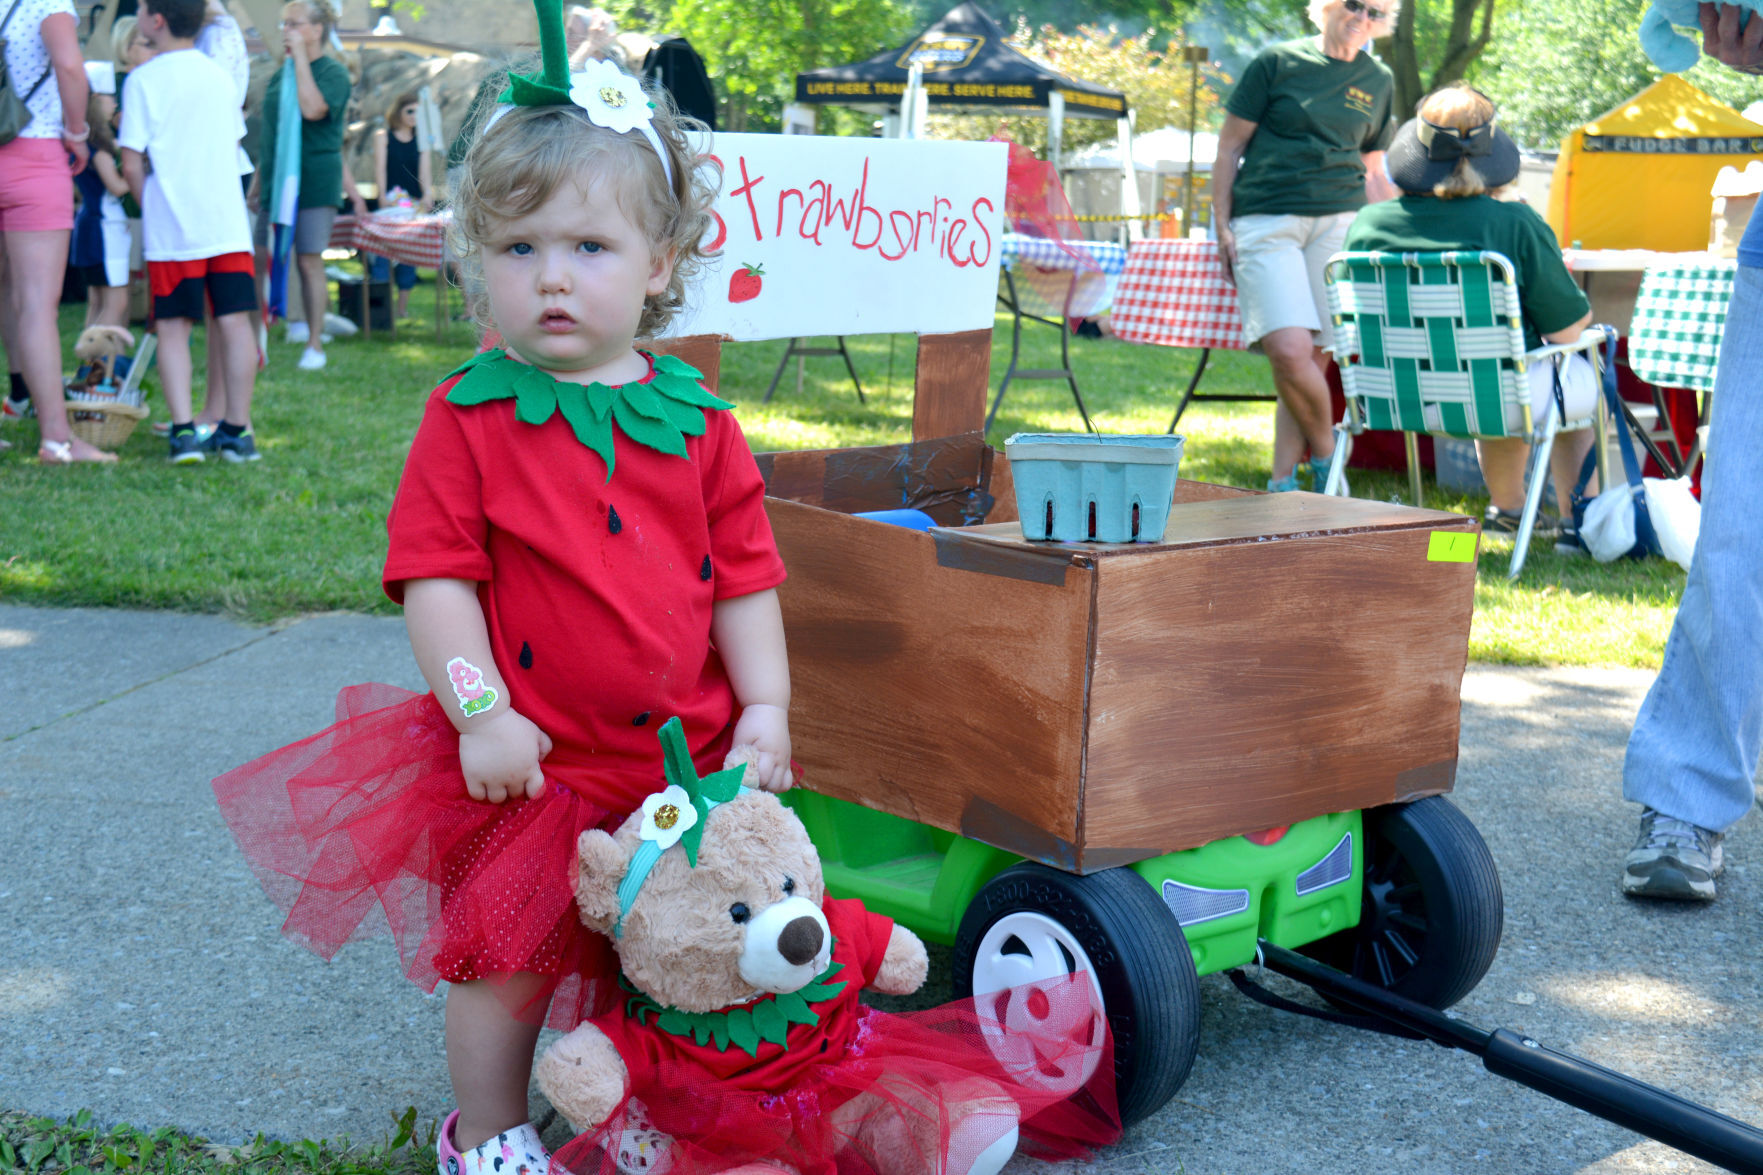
1639	176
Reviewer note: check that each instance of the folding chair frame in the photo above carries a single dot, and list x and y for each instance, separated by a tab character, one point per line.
1433	343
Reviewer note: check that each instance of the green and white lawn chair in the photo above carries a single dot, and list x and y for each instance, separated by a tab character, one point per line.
1434	343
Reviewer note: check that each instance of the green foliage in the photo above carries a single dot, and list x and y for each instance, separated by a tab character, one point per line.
1156	82
44	1146
1558	64
753	49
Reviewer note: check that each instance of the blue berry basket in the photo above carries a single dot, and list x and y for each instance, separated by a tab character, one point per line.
1084	487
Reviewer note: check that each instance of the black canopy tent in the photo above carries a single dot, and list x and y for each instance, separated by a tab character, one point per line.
965	62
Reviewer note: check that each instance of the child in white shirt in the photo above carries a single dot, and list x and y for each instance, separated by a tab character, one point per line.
180	110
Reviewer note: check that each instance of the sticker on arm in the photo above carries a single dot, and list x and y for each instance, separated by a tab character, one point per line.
468	686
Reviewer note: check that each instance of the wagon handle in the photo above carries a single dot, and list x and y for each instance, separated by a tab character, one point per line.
1615	1097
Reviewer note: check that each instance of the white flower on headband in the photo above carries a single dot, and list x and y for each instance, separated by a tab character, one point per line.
667	815
612	98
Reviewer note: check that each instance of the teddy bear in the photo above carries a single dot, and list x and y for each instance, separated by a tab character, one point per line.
1669	49
740	1045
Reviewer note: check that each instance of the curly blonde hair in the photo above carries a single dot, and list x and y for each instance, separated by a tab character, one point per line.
516	165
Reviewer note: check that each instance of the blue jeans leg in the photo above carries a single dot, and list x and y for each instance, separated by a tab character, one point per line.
1693	753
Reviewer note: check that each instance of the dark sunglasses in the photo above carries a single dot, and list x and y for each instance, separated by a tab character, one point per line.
1356	7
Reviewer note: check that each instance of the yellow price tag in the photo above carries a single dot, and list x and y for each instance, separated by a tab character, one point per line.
1450	546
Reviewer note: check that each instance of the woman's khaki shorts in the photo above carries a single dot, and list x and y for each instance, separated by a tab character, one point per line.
1279	273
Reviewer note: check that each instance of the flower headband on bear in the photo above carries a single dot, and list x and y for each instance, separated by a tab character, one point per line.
676	814
609	97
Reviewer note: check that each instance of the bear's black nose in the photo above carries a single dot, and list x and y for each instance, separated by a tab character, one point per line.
800	941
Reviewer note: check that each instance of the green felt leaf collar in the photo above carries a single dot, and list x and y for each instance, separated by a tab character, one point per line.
745	1027
658	415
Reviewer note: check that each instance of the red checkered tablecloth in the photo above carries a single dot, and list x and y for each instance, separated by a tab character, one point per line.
1173	294
416	240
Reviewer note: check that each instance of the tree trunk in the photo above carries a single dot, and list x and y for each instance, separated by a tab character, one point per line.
1463	45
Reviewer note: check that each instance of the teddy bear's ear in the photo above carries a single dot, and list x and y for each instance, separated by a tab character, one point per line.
600	866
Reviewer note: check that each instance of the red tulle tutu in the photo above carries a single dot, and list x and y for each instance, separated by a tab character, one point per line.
917	1092
366	827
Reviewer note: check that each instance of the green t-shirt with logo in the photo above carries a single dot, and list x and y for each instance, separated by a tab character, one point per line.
321	139
1547	294
1315	116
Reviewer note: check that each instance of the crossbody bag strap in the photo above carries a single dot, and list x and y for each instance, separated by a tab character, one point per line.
9	15
1644	534
47	70
38	84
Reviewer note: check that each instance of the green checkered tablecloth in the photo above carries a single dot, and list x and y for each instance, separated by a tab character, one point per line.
1678	319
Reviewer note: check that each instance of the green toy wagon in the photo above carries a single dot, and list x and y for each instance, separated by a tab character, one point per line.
1135	760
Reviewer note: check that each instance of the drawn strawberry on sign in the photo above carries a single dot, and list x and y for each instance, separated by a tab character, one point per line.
744	286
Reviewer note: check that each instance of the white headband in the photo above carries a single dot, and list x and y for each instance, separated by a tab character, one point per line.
612	99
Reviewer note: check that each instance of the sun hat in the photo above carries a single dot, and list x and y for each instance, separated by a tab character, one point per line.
1424	153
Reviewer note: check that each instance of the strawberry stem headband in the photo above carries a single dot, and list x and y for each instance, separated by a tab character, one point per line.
609	97
676	814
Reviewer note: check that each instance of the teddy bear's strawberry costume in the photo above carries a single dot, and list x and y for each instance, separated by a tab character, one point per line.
601	524
800	1075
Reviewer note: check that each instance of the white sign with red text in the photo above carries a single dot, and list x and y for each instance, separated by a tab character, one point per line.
816	235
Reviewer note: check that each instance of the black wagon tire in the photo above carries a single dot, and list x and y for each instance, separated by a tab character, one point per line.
1432	908
1032	918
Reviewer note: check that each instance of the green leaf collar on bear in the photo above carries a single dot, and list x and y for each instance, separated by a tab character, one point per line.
745	1026
658	415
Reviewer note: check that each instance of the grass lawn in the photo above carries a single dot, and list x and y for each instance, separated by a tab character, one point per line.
304	529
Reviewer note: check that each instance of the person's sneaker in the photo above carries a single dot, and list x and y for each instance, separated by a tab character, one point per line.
185	449
204	430
238	450
298	332
311	360
1282	485
15	410
1672	859
513	1152
335	325
1319	476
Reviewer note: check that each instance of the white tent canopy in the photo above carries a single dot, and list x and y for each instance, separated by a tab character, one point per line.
1159	150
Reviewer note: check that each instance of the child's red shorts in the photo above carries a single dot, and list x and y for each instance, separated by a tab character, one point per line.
178	286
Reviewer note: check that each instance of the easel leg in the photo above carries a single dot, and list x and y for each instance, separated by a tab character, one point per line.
1205	354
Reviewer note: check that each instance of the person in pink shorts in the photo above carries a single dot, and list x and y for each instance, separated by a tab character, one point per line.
36	211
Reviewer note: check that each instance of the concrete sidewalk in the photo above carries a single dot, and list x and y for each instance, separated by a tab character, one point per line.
142	975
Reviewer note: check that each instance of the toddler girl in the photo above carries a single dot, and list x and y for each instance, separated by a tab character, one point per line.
581	549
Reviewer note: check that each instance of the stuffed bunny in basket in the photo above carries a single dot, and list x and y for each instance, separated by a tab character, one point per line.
98	348
741	1045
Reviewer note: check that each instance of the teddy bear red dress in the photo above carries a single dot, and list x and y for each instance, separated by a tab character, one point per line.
716	1098
599	553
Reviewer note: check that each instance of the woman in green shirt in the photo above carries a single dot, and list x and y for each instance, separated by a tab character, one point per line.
1450	162
1301	150
324	86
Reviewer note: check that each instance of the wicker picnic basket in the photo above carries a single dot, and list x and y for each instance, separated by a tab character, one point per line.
103	420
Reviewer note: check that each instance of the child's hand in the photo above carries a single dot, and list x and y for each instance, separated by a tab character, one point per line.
762	738
501	756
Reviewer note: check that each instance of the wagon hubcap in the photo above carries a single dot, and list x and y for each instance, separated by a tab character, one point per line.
1050	1042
